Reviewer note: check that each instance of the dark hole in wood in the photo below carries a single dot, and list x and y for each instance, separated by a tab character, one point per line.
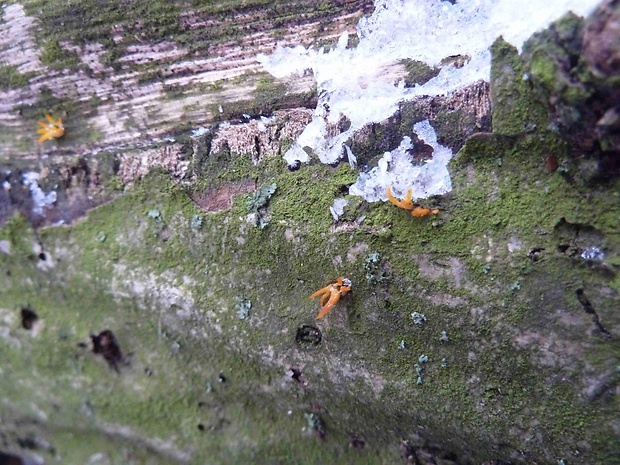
42	256
294	166
536	254
344	189
106	345
308	335
29	318
296	374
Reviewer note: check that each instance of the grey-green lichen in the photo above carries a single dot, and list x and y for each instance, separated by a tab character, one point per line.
258	201
243	307
372	266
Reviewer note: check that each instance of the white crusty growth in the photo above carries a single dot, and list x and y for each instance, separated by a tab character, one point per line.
396	170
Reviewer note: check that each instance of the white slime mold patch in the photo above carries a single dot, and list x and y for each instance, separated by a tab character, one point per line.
354	82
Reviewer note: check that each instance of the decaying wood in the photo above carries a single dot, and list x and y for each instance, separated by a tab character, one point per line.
126	105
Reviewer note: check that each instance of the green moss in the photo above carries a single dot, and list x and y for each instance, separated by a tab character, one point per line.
20	235
56	57
418	72
453	127
11	78
213	259
516	106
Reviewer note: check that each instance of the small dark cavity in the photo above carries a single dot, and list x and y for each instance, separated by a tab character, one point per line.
356	442
343	124
106	345
334	164
344	189
535	254
454	457
221	378
574	238
257	150
296	375
29	318
28	443
294	166
562	248
589	309
148	371
308	335
201	427
42	256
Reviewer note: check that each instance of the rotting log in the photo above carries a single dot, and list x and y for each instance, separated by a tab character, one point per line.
171	324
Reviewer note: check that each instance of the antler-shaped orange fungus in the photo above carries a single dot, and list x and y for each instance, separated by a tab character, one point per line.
333	292
407	204
50	130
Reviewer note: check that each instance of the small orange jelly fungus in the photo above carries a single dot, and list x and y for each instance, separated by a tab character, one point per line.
421	211
407	204
333	292
50	130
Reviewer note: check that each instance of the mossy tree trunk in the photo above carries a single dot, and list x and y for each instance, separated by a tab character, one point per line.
171	324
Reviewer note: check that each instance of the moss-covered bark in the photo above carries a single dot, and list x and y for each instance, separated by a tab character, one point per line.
526	371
